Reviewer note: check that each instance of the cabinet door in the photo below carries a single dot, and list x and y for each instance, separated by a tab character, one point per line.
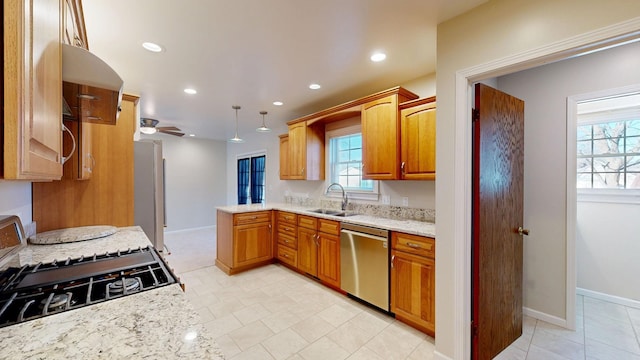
413	290
73	27
329	259
284	157
380	138
297	151
307	251
33	78
81	164
418	144
252	243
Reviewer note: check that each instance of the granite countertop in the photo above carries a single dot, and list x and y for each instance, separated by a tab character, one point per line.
414	227
154	324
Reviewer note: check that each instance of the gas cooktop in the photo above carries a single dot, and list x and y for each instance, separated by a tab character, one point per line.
34	291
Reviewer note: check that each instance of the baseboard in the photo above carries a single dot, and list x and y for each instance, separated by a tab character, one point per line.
439	356
610	298
551	319
190	229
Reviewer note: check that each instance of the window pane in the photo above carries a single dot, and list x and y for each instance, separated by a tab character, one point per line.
633	127
584	132
606	146
632	145
356	141
353	182
584	165
607	180
343	156
343	143
633	180
608	164
608	130
584	181
355	155
584	147
633	163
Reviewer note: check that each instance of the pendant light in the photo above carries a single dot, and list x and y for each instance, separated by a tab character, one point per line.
236	139
263	128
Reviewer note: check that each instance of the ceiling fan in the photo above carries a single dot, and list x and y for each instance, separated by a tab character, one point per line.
148	126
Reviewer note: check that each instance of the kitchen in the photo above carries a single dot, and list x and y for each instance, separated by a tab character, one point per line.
19	205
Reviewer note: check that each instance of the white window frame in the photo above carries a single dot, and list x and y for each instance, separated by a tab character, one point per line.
598	195
335	192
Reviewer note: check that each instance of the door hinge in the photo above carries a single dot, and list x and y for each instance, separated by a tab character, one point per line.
475	115
474	330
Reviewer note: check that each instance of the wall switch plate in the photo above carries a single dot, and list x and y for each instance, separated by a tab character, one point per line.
405	201
386	199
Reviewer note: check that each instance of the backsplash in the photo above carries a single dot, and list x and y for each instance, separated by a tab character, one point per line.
385	211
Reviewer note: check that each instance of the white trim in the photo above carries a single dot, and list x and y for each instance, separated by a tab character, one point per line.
252	153
190	229
574	46
437	355
571	217
611	196
610	298
551	319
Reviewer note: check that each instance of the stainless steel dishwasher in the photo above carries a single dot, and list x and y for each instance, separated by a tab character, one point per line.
364	264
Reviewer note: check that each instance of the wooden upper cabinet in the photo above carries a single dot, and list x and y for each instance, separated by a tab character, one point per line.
381	136
74	32
284	157
306	152
32	117
418	139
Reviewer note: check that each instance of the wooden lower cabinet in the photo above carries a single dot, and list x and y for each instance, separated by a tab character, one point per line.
243	241
308	251
329	259
413	288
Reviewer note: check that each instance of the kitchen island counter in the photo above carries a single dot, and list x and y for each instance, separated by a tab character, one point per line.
153	324
414	227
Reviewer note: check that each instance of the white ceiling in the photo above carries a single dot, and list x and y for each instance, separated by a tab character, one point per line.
253	52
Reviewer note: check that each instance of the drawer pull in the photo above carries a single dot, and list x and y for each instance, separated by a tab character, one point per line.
287	229
253	217
414	245
287	241
285	256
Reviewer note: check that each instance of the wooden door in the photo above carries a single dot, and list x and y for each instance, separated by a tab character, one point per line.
307	251
498	162
418	140
252	244
329	259
413	290
380	138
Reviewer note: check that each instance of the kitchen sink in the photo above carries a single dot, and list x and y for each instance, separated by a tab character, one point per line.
339	213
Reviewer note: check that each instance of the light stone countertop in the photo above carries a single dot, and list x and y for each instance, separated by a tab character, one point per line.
414	227
153	324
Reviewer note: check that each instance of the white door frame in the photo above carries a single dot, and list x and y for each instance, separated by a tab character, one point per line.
581	44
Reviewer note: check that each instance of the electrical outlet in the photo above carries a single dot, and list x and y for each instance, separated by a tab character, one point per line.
386	199
405	201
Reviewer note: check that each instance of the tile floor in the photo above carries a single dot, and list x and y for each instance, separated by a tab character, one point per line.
275	313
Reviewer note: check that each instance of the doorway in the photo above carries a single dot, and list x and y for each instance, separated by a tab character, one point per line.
462	236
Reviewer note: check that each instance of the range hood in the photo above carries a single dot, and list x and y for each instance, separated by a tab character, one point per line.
98	85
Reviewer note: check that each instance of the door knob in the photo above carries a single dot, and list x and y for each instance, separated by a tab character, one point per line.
523	231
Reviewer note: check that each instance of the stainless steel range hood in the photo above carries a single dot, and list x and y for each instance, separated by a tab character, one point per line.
97	82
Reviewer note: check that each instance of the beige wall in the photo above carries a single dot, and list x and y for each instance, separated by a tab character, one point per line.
492	31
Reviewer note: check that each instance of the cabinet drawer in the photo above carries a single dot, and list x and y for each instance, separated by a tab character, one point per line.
287	217
287	229
287	240
251	218
307	222
329	226
287	255
414	244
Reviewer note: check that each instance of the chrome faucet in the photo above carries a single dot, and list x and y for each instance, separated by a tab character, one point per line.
345	200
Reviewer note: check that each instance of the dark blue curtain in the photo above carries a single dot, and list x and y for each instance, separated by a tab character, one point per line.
243	181
257	179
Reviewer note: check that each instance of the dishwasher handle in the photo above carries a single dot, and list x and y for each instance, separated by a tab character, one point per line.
368	236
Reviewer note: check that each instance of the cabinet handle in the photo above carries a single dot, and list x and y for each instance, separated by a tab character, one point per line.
402	168
87	97
269	227
302	171
315	239
285	256
253	217
393	257
73	139
93	117
287	241
413	245
287	229
93	162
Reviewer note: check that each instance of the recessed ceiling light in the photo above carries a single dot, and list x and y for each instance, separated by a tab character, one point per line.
278	103
190	91
379	56
192	135
152	46
314	86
